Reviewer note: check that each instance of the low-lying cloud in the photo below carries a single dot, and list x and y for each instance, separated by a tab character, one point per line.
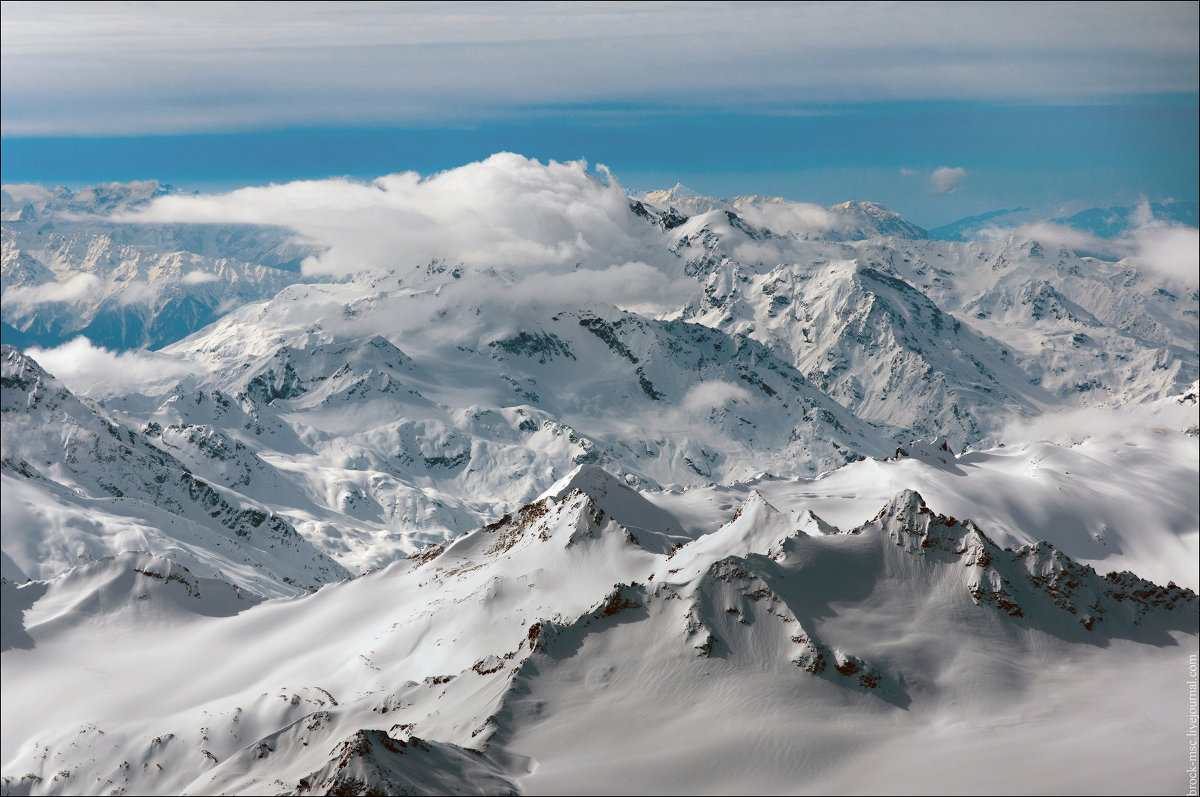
794	217
632	286
76	288
706	396
20	193
199	277
94	371
137	292
1170	251
1074	426
507	211
1174	251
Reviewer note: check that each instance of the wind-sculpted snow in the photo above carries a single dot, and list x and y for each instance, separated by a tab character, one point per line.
529	653
1032	581
127	588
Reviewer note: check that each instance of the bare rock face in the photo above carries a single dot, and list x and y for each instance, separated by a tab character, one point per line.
1038	582
372	762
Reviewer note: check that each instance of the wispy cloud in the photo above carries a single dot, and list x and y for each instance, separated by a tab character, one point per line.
797	217
199	277
81	68
73	289
1173	251
705	396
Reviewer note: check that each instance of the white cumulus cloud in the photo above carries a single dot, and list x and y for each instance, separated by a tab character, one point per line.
945	179
506	211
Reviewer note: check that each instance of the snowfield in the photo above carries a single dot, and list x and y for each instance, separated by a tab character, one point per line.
502	481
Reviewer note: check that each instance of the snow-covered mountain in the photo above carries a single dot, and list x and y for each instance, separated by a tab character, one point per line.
476	419
847	221
401	406
79	486
69	270
941	337
1108	333
1109	222
745	495
589	625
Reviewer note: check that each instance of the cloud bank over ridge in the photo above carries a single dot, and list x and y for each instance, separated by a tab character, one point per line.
560	227
505	211
1170	250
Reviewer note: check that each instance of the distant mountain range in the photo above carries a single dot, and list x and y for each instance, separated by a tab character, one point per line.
1108	222
69	270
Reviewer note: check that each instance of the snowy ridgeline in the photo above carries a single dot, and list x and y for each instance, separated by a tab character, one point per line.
615	498
596	625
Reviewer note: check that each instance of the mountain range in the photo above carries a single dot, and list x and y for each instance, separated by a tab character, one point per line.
763	496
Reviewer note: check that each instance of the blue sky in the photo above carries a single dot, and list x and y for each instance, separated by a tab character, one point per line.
1041	105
